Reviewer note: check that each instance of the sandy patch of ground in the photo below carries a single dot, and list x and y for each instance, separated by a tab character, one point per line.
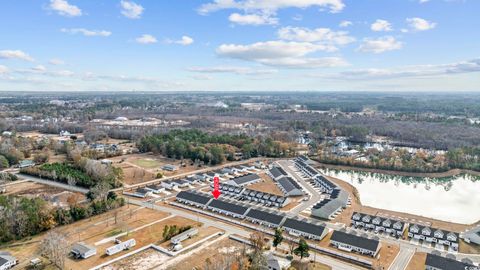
144	260
52	194
266	185
417	261
219	251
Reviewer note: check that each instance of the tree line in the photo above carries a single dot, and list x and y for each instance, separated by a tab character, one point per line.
21	217
209	148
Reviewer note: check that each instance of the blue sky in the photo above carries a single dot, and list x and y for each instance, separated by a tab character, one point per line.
228	45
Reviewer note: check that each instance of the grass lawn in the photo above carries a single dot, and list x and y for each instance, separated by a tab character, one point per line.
147	163
305	265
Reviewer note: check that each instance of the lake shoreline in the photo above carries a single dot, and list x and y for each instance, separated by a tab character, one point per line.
450	173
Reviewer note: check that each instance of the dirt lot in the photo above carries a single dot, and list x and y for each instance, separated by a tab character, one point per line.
93	233
134	175
202	233
294	202
139	168
32	190
89	231
219	251
266	185
141	261
417	261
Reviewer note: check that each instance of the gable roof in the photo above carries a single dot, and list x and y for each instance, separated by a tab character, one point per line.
230	207
242	180
265	216
440	262
193	197
303	226
288	184
277	172
356	241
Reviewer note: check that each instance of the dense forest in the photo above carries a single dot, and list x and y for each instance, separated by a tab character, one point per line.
87	176
210	148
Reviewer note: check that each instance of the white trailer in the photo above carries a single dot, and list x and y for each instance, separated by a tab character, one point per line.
183	236
120	247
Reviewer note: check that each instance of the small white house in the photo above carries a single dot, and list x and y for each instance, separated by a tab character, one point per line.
82	251
7	261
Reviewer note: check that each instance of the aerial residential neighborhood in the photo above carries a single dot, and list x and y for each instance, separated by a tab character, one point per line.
240	135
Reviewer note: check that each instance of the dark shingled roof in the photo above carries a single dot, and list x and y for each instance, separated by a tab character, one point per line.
230	207
354	240
303	226
193	197
277	172
445	263
288	184
265	216
245	179
2	261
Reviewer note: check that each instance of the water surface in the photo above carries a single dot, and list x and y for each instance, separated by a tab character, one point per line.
455	199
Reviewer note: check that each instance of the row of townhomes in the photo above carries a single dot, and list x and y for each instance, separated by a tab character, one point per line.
354	243
287	185
245	194
436	262
472	235
274	219
393	227
336	198
265	218
434	236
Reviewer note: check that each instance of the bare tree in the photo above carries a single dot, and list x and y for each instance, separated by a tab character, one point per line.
55	247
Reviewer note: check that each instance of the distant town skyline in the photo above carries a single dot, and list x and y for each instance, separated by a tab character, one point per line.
240	45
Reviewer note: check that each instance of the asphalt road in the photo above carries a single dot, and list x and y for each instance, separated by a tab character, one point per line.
52	183
402	259
315	196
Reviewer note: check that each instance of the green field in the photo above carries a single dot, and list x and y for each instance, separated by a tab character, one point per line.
147	163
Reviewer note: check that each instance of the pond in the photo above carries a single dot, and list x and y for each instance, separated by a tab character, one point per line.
455	199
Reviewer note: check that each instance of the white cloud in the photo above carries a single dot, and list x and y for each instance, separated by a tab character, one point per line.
381	26
345	24
252	19
270	5
232	69
3	69
380	45
419	24
63	73
131	9
56	62
146	39
15	54
468	66
39	68
281	54
185	41
63	8
86	32
320	35
423	1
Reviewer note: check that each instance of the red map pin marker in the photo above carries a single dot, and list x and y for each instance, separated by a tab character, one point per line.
216	191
